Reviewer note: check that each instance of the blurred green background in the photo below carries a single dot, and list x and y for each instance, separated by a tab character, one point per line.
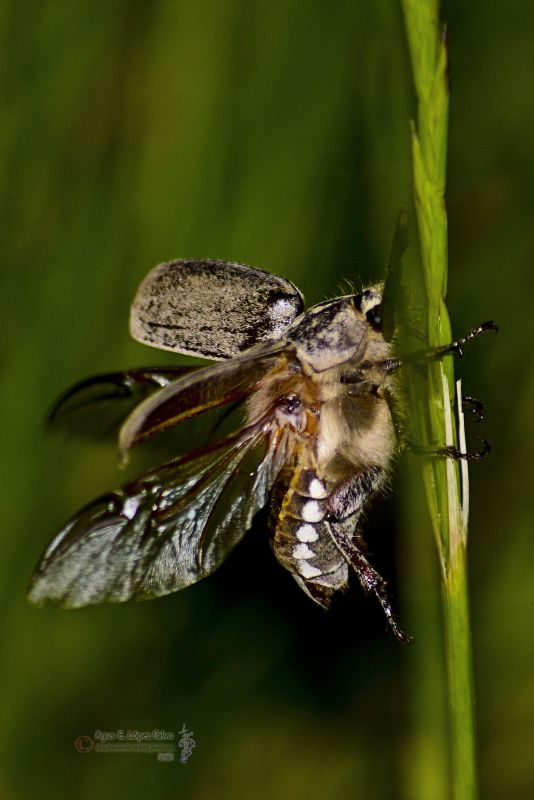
276	134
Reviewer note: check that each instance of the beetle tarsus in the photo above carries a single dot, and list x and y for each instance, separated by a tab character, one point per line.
470	455
454	348
474	406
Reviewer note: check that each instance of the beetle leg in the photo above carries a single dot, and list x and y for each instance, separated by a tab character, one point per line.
370	579
343	510
474	406
451	452
454	348
470	455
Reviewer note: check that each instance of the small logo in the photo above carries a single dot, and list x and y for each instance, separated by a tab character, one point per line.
186	744
84	744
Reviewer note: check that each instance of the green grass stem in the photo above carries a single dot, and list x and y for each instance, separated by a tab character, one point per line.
446	485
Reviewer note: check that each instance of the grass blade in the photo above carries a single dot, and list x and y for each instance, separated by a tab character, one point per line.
446	489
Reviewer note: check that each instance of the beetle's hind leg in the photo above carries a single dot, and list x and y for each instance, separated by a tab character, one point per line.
370	579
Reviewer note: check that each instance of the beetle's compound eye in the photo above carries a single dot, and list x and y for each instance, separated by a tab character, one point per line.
374	317
362	303
361	300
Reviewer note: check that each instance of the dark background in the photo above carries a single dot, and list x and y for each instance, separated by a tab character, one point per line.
276	134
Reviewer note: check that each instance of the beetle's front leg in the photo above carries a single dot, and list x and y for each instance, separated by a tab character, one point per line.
437	353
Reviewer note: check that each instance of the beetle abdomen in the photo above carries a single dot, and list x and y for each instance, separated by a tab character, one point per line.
302	540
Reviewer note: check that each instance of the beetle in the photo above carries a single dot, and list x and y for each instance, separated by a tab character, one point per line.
317	391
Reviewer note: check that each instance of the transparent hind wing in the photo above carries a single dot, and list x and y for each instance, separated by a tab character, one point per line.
97	406
167	530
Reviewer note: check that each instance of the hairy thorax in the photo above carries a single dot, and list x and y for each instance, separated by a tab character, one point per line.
346	426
